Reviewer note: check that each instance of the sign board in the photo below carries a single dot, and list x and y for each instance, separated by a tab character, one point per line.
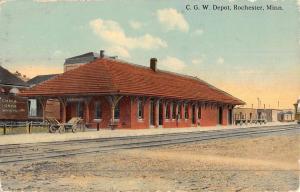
13	107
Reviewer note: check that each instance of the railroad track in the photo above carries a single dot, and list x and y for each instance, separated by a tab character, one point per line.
40	151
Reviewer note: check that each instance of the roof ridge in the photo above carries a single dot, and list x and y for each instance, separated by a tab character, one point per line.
158	70
174	73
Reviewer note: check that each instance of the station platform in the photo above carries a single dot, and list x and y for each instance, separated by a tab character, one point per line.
106	133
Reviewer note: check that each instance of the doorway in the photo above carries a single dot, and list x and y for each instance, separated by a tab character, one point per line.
193	115
152	114
160	113
220	121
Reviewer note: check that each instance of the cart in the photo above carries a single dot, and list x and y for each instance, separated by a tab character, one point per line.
73	124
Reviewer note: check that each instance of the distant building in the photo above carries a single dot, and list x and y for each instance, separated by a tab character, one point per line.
74	62
286	116
245	113
271	114
11	106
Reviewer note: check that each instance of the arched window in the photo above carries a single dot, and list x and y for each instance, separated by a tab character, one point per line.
117	111
140	110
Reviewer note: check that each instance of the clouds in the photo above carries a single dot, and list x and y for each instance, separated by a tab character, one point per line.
135	24
197	61
111	32
2	2
171	19
119	51
172	64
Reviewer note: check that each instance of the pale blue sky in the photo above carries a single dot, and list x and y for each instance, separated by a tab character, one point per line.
250	54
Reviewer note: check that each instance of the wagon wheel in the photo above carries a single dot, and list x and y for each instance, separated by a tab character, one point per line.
74	128
52	129
61	129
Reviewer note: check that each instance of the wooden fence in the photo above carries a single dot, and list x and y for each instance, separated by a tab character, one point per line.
23	127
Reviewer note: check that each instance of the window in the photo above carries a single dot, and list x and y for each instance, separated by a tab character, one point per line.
168	111
186	112
179	111
79	109
140	110
174	111
199	112
117	111
98	111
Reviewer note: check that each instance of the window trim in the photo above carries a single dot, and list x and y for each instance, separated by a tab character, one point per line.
140	109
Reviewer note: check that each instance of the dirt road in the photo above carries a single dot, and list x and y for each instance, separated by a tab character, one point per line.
254	164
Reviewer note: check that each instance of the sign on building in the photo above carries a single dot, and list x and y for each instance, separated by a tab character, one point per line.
13	108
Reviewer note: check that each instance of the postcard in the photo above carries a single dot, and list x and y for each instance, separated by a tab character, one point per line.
143	95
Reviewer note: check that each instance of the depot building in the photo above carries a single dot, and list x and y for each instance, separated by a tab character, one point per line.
108	92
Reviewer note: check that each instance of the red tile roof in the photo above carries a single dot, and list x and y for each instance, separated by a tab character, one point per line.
110	76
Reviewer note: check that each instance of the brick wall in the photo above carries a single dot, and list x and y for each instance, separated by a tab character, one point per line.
129	114
209	115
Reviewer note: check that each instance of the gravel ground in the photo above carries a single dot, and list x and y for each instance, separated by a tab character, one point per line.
253	164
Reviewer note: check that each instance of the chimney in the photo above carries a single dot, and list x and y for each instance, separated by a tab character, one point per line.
101	53
153	64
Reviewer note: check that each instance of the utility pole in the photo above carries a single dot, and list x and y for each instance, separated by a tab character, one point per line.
278	105
257	102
